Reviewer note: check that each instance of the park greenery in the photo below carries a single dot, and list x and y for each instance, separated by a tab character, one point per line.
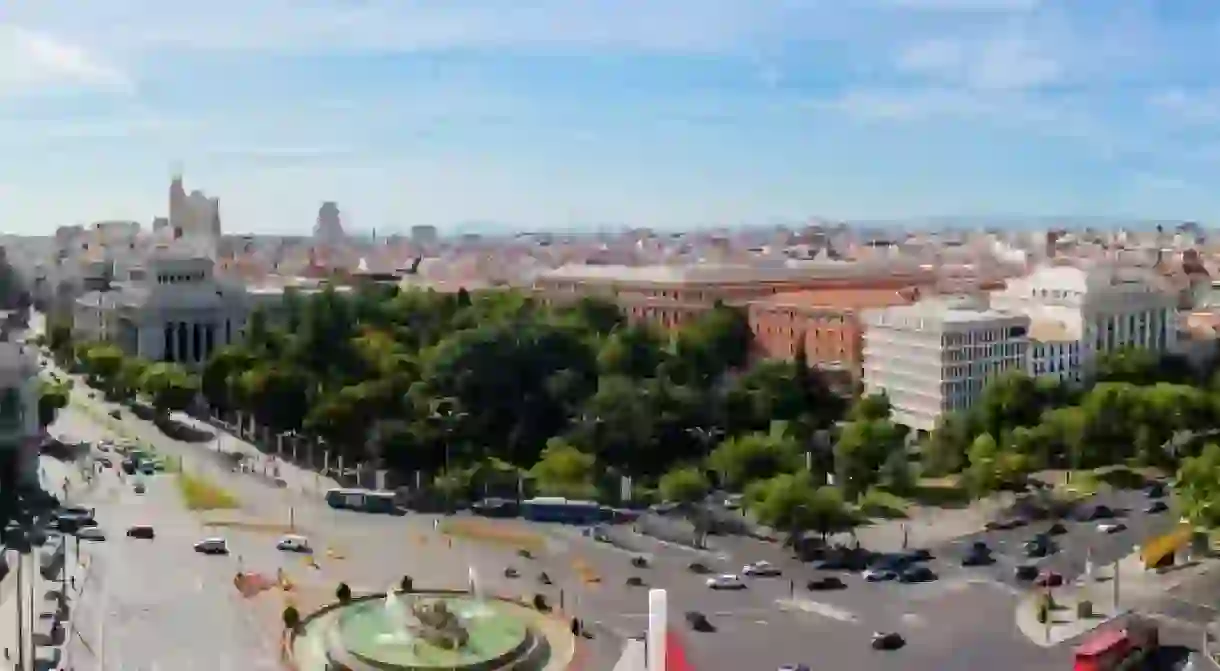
478	393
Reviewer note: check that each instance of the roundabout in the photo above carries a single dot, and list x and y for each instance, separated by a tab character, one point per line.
428	631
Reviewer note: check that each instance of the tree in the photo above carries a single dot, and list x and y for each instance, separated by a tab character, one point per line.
59	340
52	398
864	446
278	396
794	503
757	456
103	362
983	474
871	407
218	376
1198	487
686	484
565	471
169	387
127	382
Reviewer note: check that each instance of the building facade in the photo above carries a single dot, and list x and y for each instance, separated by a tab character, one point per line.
174	310
1101	309
828	322
670	296
936	356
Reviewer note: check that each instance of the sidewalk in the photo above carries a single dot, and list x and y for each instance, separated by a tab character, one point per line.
1109	599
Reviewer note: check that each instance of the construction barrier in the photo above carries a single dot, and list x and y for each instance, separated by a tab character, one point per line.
1161	549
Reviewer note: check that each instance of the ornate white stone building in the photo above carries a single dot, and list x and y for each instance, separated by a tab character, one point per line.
173	309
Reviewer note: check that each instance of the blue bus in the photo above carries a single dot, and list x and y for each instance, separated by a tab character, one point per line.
363	500
558	509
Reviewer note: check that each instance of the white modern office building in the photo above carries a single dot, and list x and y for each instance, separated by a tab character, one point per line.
935	357
1080	313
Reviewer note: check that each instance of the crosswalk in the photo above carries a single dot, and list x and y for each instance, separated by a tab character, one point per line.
819	608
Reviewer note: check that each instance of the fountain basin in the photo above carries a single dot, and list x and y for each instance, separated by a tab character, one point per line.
366	635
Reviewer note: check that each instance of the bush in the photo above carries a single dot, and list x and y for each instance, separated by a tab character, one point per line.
540	603
343	593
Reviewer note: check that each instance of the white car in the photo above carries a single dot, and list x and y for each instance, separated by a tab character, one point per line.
293	543
726	581
212	546
878	575
91	534
761	569
1111	527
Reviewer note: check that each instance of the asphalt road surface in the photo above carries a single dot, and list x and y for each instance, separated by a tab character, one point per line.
962	621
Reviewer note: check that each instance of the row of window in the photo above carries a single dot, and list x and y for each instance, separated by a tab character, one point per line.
181	278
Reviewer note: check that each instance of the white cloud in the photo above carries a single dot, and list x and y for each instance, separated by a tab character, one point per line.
32	60
1002	64
1192	107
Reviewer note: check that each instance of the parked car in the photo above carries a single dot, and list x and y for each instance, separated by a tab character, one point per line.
212	546
917	574
141	531
825	584
1056	529
698	621
761	569
294	543
1111	527
139	488
1157	506
878	575
1048	579
887	640
91	534
726	581
1026	572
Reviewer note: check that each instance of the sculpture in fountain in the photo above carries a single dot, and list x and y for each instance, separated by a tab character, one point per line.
439	626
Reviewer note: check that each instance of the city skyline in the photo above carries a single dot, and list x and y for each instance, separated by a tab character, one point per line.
665	114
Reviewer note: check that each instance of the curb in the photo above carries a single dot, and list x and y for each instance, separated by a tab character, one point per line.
1036	632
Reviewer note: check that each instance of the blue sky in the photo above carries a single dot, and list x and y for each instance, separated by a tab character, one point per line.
571	113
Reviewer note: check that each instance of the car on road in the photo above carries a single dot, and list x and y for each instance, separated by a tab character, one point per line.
917	574
1038	546
1155	490
138	488
104	461
212	546
1099	512
887	640
726	581
91	534
148	468
878	575
698	621
1026	572
141	531
294	543
1111	527
1049	579
825	584
761	569
1156	506
1005	524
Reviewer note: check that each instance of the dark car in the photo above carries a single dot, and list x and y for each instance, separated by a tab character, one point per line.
115	414
1056	529
141	531
1026	572
887	641
1157	506
1155	491
1038	546
698	621
1099	513
917	574
698	567
978	558
825	584
1048	579
920	555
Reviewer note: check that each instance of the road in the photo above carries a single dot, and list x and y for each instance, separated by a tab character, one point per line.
962	621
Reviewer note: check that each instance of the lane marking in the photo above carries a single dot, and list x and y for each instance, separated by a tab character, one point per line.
818	608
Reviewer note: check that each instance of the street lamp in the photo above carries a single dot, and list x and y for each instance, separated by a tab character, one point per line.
445	412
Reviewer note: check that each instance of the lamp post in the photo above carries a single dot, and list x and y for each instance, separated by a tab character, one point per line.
445	413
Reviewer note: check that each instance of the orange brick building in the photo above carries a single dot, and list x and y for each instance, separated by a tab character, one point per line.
670	296
829	321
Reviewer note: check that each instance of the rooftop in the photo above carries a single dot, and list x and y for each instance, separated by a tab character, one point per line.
843	299
939	312
709	273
